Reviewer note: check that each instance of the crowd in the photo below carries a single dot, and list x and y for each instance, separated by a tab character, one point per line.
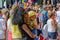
33	22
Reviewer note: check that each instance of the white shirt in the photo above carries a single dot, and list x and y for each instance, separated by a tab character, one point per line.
50	27
2	28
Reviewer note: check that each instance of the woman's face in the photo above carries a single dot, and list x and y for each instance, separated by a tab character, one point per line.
25	15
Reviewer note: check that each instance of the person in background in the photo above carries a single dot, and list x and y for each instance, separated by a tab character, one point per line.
9	30
48	2
50	8
16	2
30	6
40	25
2	27
54	3
5	6
58	19
36	6
52	27
22	5
44	12
5	12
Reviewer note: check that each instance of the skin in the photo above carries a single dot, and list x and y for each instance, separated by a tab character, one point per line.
25	28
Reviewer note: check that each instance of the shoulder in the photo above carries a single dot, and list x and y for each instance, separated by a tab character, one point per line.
49	20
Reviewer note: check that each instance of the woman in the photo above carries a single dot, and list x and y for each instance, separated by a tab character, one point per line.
58	20
30	34
10	26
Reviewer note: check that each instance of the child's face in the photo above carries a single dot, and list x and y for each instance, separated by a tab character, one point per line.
32	18
53	16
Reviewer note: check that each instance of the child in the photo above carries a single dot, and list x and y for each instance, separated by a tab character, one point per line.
2	27
52	27
33	23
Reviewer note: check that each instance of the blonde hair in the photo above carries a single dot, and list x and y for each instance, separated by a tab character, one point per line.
14	6
31	13
50	14
4	10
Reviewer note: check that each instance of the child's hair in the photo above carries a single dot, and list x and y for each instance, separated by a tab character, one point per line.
50	14
31	13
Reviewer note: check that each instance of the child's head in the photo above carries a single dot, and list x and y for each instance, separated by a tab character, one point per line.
32	15
51	15
5	12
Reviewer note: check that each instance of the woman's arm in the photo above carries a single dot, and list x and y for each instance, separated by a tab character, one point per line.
27	30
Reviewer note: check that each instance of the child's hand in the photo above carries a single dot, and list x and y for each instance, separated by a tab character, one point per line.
35	35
